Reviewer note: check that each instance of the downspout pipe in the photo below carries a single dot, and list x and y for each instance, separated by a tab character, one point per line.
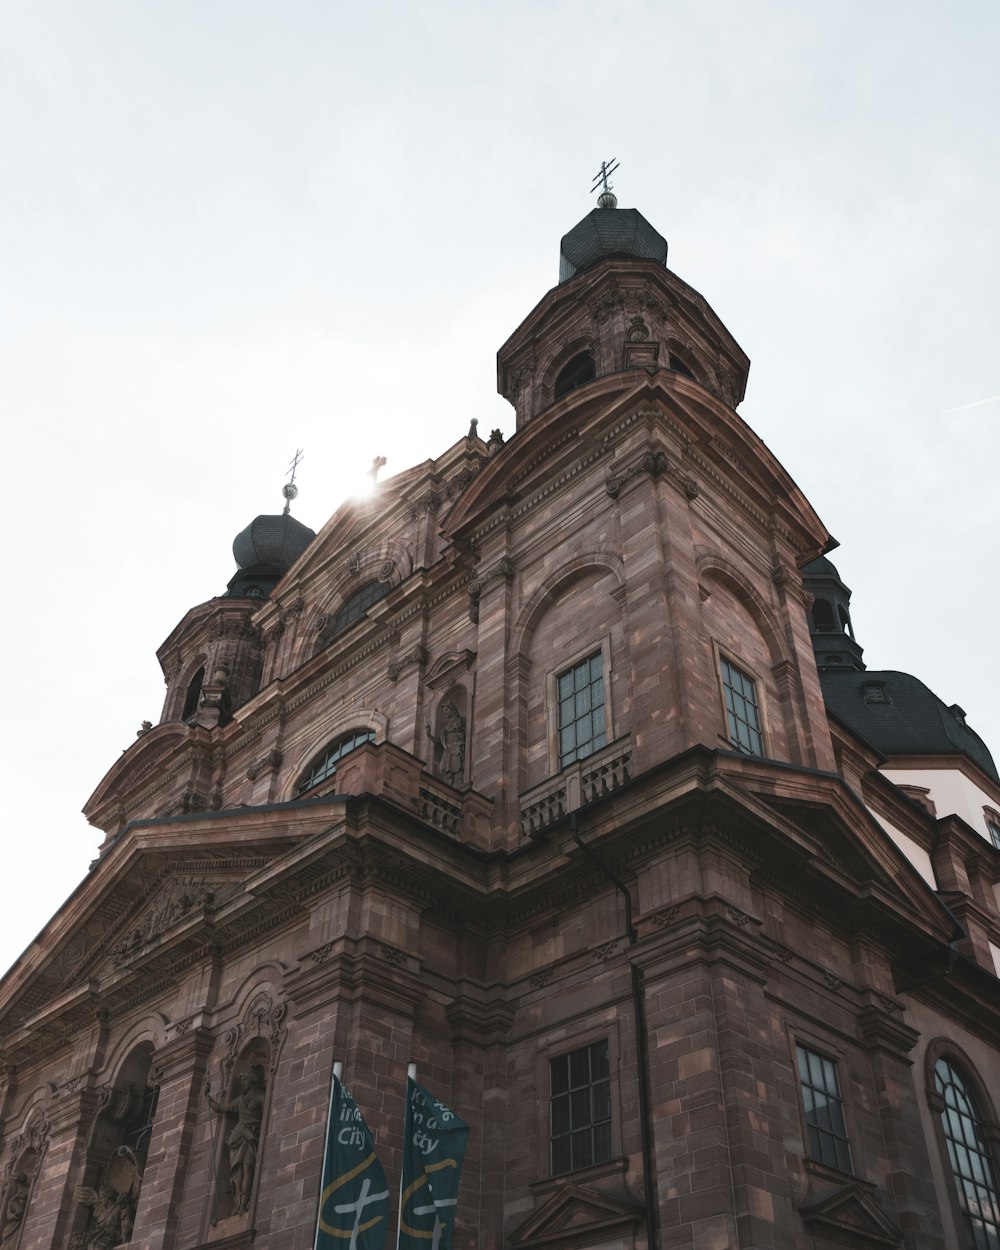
641	1039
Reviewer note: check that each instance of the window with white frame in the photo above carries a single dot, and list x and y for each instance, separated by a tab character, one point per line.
582	723
580	1108
742	709
823	1106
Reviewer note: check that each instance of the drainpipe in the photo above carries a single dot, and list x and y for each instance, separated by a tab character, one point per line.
641	1040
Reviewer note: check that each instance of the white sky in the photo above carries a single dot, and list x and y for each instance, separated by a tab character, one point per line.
231	228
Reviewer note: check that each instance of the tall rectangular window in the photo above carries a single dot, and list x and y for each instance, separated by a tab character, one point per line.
742	712
826	1129
580	1108
994	829
581	710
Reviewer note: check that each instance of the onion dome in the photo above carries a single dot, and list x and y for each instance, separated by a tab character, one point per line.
274	542
264	553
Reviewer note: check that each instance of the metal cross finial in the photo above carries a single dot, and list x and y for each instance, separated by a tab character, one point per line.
290	490
607	198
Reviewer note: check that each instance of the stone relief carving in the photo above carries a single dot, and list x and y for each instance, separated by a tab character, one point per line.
243	1140
450	744
638	331
181	897
15	1204
112	1206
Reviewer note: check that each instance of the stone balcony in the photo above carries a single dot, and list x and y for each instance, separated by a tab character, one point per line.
391	773
577	785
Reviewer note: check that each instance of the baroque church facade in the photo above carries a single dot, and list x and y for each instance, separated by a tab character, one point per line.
555	769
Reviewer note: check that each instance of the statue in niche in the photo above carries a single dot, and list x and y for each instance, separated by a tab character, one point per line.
451	744
14	1207
243	1140
111	1217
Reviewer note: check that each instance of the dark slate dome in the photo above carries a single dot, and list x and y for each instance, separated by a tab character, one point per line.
264	552
274	542
609	232
898	715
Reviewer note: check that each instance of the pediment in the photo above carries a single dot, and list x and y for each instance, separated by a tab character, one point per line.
151	906
577	1215
838	839
587	423
851	1216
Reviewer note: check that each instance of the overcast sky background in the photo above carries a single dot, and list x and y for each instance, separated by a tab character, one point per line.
229	229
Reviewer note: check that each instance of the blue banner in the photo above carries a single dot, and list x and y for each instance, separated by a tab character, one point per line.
434	1141
354	1195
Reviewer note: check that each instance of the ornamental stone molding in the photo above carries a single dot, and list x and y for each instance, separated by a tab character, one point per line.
262	1017
503	570
33	1136
269	762
653	463
416	657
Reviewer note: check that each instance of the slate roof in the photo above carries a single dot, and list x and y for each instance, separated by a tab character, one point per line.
609	232
913	722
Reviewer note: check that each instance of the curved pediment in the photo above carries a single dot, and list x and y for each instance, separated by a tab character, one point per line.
700	441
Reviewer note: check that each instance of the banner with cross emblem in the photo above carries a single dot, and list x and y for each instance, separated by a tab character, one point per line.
354	1195
434	1142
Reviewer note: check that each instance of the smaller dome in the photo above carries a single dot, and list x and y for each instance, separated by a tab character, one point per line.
609	232
271	542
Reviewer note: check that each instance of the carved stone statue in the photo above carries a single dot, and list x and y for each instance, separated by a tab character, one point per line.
14	1207
451	744
243	1141
111	1217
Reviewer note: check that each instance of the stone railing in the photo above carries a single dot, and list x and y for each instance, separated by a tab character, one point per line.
393	774
599	774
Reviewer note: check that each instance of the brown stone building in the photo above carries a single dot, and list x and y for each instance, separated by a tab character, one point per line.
555	768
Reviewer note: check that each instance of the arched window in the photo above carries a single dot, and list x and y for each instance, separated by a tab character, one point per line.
357	605
969	1156
579	370
193	695
324	765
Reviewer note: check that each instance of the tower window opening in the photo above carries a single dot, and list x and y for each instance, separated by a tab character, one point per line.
845	620
579	370
822	614
680	367
193	696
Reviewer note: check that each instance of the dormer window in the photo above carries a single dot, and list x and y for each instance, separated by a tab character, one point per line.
579	370
876	692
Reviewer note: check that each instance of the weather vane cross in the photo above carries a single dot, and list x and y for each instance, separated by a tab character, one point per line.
290	490
607	198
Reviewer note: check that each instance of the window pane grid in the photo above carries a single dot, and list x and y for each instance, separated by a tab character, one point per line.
581	710
357	605
325	765
969	1157
994	833
742	712
580	1108
826	1128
